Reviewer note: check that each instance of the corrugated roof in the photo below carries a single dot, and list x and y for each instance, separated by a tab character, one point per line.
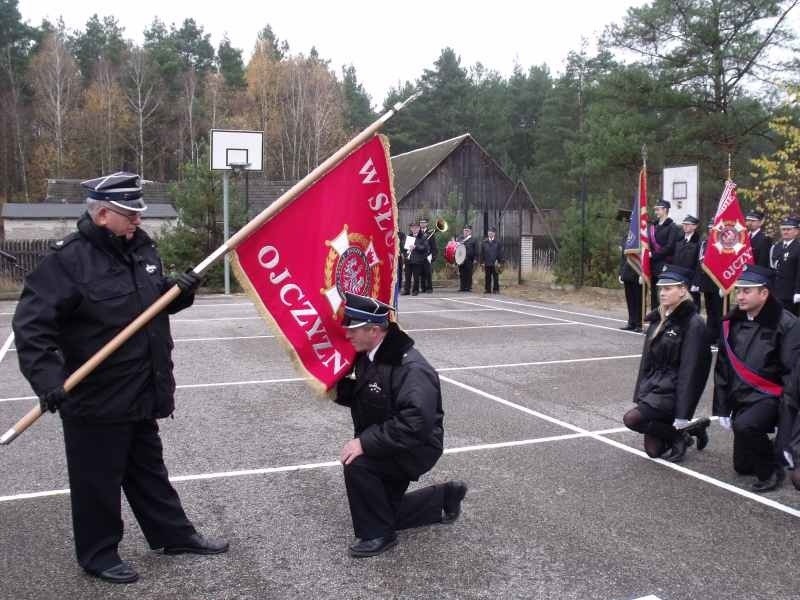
51	210
410	168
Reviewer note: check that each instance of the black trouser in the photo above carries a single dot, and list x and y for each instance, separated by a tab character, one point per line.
633	298
696	299
753	450
379	505
491	281
465	276
427	277
407	279
101	459
713	315
416	277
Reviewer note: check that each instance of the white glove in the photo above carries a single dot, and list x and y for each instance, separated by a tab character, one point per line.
789	458
641	281
725	422
694	288
796	298
430	257
721	293
620	281
681	423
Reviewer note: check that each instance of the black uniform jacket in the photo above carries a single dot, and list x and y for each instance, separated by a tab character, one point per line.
666	235
419	253
701	278
626	272
675	362
761	244
85	291
786	261
687	252
768	345
396	404
491	251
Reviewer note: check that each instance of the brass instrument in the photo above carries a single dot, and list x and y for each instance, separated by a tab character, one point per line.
439	226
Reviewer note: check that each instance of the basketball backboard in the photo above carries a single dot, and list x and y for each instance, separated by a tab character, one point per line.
232	149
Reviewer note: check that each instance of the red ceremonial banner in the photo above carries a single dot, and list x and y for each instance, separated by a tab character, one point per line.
637	251
339	235
728	247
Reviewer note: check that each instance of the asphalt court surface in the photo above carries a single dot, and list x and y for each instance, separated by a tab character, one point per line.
562	502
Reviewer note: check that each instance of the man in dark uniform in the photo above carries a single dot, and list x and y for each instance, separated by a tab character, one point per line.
401	257
760	242
465	269
427	267
703	284
417	259
687	252
491	256
662	235
758	349
84	292
785	259
413	231
395	400
631	281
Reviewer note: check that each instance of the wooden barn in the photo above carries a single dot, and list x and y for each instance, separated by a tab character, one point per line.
458	181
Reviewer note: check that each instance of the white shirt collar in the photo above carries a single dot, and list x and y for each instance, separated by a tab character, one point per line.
371	354
754	233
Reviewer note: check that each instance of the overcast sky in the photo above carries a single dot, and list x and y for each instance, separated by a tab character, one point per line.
386	42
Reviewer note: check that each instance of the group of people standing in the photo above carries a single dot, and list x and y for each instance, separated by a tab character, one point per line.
416	259
757	372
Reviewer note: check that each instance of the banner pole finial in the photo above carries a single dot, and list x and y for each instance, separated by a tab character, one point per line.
644	156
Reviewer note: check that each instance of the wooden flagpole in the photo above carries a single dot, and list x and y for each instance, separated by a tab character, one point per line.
90	365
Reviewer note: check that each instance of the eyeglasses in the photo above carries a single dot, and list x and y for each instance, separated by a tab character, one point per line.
131	216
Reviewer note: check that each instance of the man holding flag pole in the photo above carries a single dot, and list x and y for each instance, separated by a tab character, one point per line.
354	248
637	244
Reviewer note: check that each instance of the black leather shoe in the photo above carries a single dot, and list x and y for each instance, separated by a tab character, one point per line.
197	544
699	429
119	573
637	330
454	493
677	453
373	547
769	484
628	328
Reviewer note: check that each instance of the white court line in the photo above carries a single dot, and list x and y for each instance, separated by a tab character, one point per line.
6	346
322	465
440	370
530	314
705	478
421	329
568	312
407	312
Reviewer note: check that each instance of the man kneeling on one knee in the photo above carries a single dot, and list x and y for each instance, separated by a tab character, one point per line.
396	404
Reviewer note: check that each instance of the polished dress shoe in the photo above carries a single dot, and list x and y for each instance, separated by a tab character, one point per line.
119	573
769	484
454	493
699	429
677	452
197	544
373	547
628	327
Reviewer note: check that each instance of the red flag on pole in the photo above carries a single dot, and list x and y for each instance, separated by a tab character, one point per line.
340	235
638	255
728	247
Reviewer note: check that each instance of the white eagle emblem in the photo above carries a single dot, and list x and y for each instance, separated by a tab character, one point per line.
150	269
671	332
374	388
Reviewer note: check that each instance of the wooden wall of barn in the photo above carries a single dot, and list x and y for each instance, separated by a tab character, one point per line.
468	187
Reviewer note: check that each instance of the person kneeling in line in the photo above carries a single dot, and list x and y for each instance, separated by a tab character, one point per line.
758	348
395	400
675	363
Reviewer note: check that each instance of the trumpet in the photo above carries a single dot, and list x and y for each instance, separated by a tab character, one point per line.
439	226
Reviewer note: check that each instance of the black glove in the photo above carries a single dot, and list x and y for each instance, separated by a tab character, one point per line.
188	281
53	399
